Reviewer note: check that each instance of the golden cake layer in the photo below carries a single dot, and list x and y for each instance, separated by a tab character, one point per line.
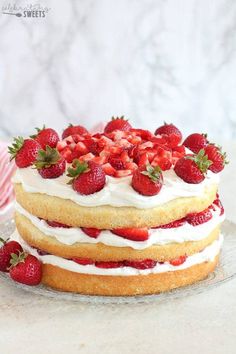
107	217
100	252
65	280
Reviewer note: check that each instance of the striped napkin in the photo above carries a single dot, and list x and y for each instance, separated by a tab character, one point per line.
7	169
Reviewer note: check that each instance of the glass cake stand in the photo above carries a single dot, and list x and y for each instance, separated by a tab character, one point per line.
225	271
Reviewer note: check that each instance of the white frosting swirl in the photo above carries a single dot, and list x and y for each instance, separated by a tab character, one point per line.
207	255
117	192
180	234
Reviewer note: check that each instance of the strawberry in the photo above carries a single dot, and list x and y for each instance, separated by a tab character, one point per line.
57	224
123	173
143	264
7	248
46	136
117	123
195	142
87	177
195	219
108	169
91	231
117	163
148	181
24	151
49	163
25	269
192	168
134	234
173	224
218	203
217	157
82	261
74	129
168	129
109	264
178	261
144	134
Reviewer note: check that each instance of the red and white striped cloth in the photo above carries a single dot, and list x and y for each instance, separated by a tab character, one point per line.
7	169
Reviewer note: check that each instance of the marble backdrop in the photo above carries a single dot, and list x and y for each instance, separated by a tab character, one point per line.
151	60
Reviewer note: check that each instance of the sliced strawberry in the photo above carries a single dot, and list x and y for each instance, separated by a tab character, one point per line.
143	160
107	265
82	261
199	218
123	173
117	163
178	261
100	160
57	224
91	231
218	203
173	224
134	234
87	157
81	148
108	169
143	264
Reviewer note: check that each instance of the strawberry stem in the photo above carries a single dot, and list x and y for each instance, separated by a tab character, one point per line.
16	146
77	169
47	158
201	160
153	173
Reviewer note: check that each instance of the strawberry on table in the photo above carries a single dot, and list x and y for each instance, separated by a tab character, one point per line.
46	136
25	269
134	234
49	163
74	129
195	142
147	181
6	249
87	177
24	151
117	123
192	168
217	157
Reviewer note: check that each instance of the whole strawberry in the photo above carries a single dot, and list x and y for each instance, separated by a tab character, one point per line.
46	136
24	151
148	181
74	129
195	142
49	163
169	129
117	123
217	157
87	177
192	168
26	269
6	249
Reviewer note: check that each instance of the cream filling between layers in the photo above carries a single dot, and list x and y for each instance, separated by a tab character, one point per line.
180	234
207	255
117	192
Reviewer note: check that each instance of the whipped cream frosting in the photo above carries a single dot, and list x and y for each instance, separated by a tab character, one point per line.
180	234
207	255
117	192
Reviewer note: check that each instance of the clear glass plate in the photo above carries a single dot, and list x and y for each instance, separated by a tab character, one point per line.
225	271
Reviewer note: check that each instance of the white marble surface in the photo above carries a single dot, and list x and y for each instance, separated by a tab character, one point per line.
151	60
203	323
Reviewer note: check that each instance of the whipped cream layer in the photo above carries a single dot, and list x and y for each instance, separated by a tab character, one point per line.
207	255
180	234
117	192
